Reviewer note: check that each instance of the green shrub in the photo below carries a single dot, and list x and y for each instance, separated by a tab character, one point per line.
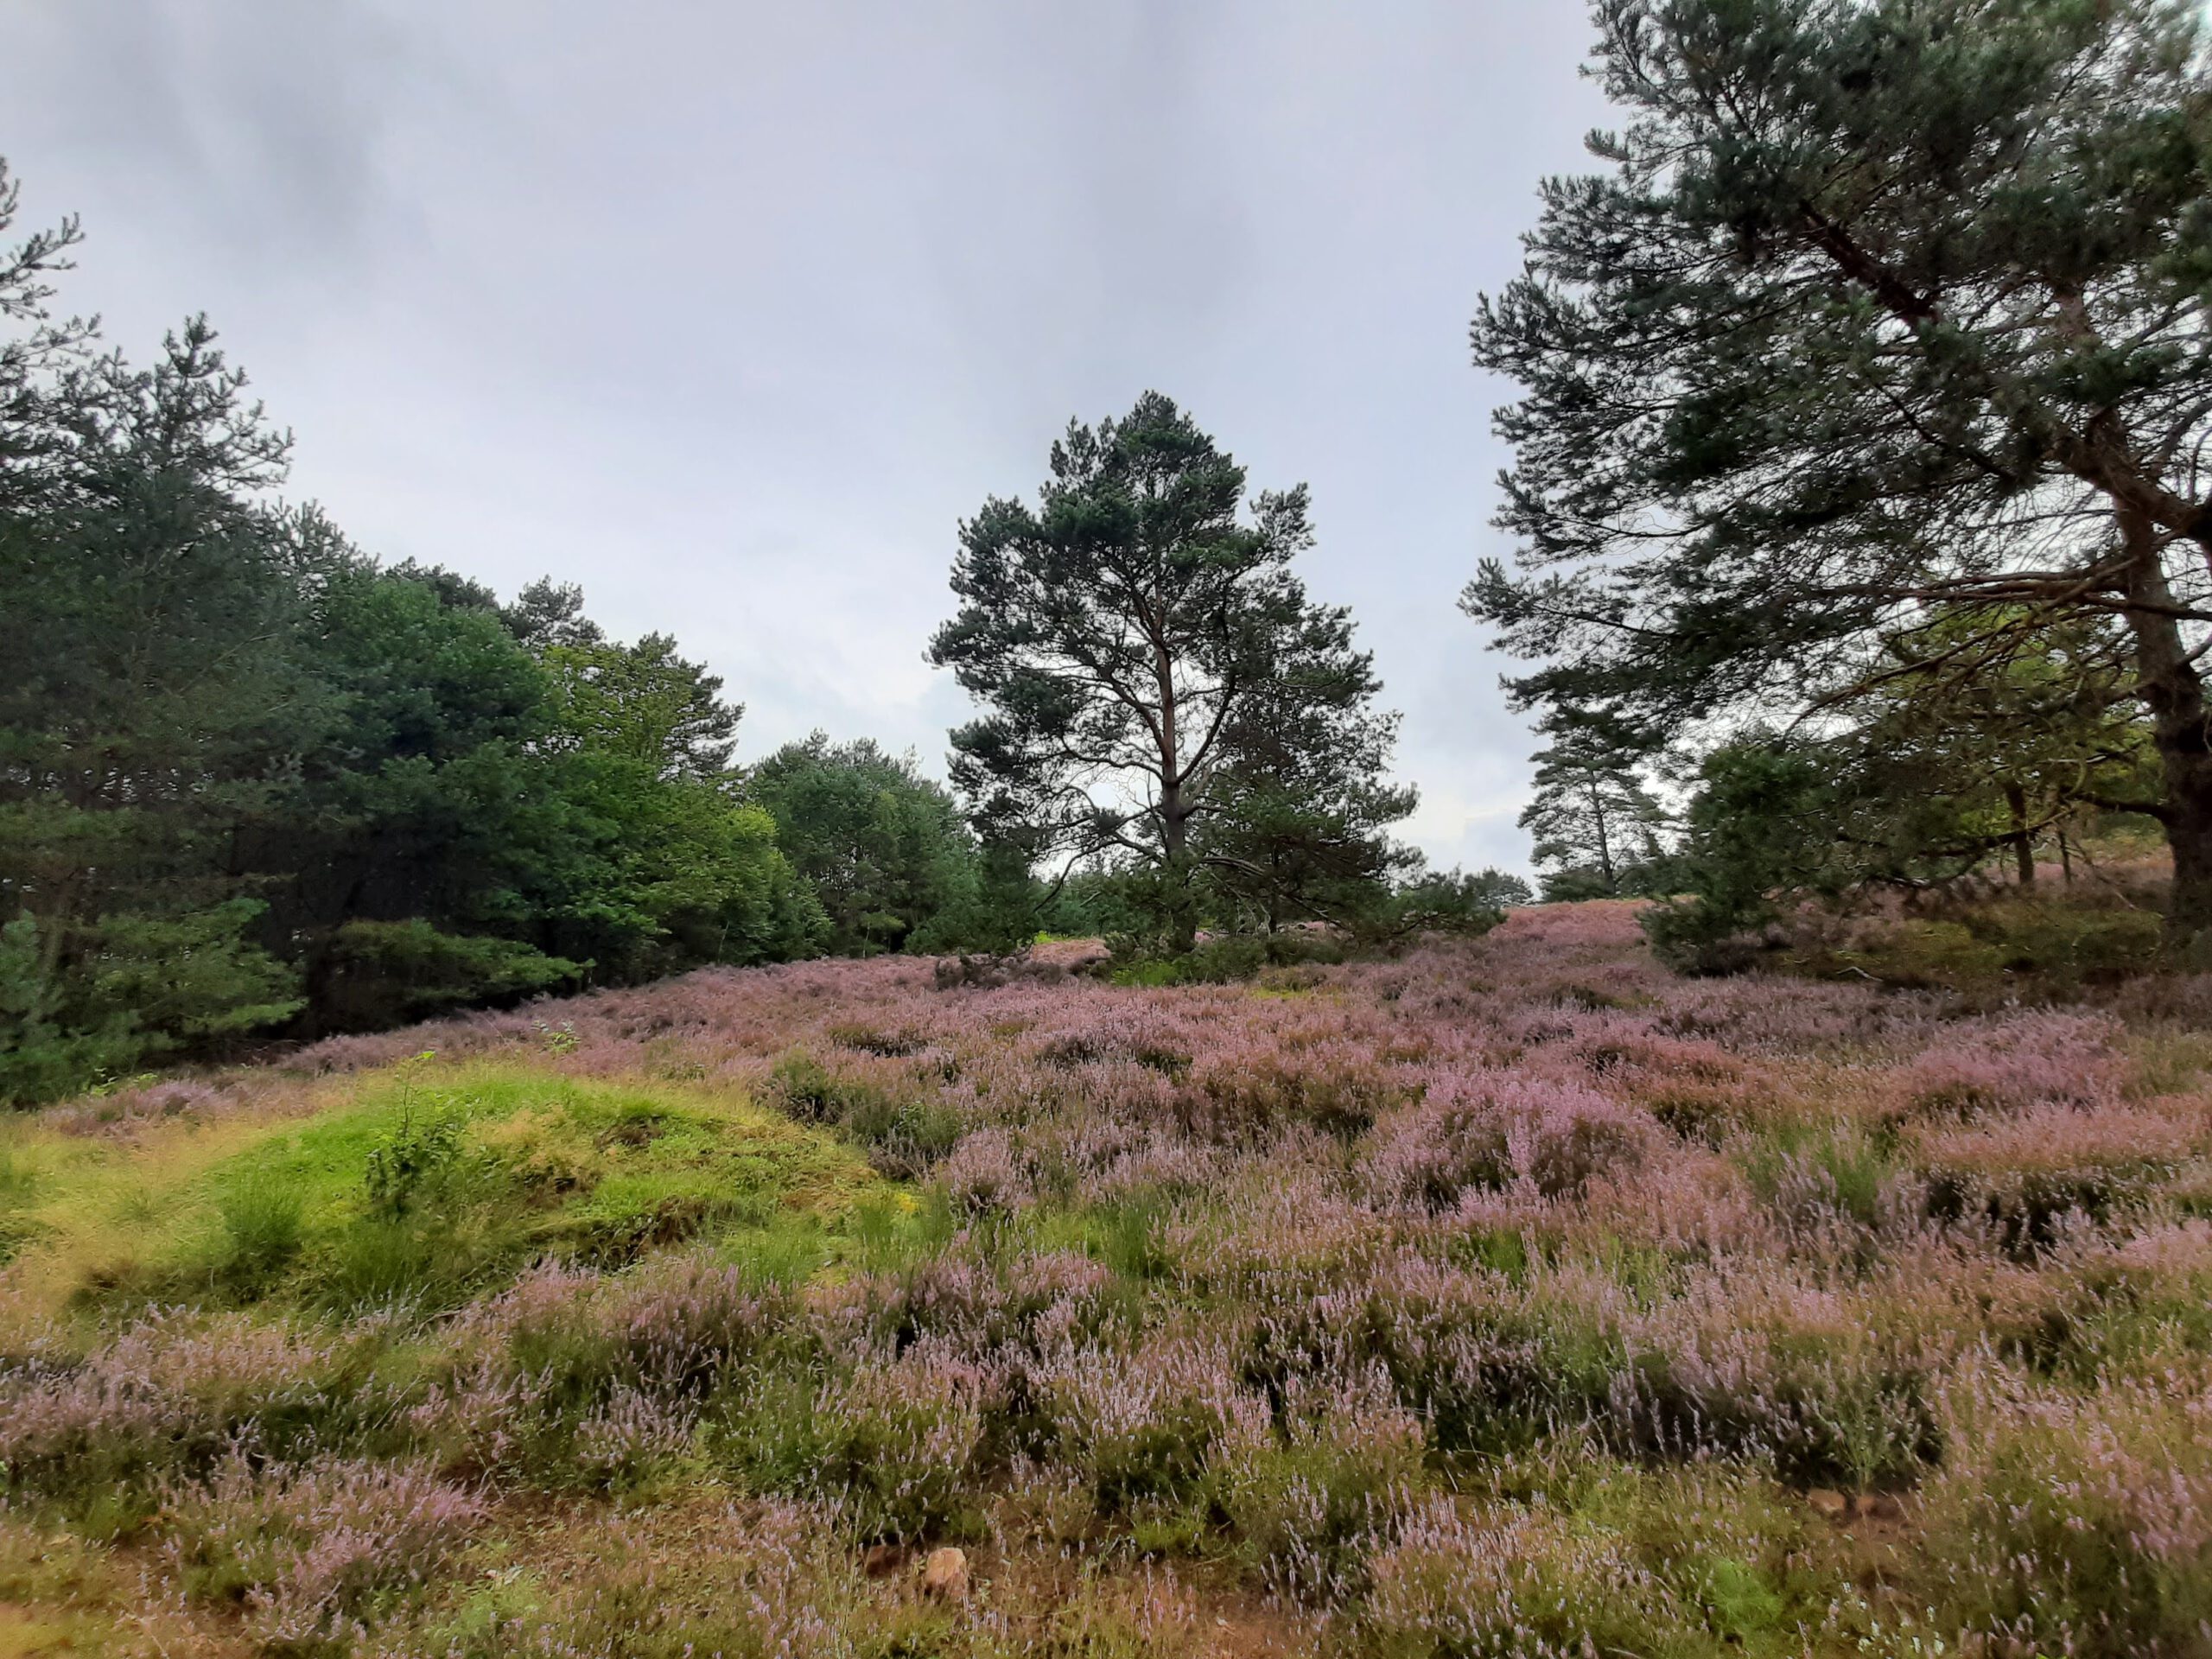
898	1445
411	1164
372	975
2078	1531
1344	1462
903	1138
809	1092
263	1223
80	1003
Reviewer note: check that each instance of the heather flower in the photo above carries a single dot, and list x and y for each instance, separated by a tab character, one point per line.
1146	1424
1521	1582
899	1442
1760	1363
2050	1058
1347	1458
316	1551
986	1175
170	1390
1246	1090
632	1435
2080	1524
1491	1129
1234	1269
2031	1176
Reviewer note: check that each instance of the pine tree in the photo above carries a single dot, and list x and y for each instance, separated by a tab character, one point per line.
1121	634
1595	824
1887	319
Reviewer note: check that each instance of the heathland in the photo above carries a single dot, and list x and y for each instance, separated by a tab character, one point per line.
1511	1295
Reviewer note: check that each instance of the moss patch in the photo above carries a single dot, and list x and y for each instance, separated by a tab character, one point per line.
419	1182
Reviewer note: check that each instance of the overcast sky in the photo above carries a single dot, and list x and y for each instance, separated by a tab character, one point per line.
732	311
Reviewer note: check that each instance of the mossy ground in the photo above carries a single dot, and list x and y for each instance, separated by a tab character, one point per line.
273	1207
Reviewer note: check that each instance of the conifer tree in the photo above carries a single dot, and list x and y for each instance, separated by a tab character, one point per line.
1885	321
1122	635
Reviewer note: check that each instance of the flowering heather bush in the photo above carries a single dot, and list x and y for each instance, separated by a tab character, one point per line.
1146	1424
576	1376
1348	1456
632	1438
1510	1296
1003	1308
2029	1178
986	1175
1333	1084
170	1391
2038	1060
1493	1129
314	1552
2083	1526
1779	1370
898	1443
1527	1585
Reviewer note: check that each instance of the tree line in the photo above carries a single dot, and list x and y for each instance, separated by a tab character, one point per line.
1864	541
255	784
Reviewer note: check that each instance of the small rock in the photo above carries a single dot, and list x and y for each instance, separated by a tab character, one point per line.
882	1561
944	1574
1829	1502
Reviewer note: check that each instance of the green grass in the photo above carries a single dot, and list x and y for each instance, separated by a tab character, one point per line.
505	1165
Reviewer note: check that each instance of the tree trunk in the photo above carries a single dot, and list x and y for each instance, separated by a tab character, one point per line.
1174	808
1604	840
1175	870
2024	846
2168	682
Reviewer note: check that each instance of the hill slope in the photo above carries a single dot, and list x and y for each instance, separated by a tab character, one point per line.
1511	1297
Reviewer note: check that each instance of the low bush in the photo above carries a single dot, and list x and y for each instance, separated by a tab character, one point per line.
1346	1457
2078	1525
1526	1581
899	1444
315	1553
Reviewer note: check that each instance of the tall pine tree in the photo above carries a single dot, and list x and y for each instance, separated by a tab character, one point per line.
1124	635
1885	321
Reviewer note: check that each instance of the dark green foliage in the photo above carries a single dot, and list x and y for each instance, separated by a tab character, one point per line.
883	848
1913	796
1301	811
1159	692
250	781
374	975
1875	358
1596	825
1761	826
111	993
1445	901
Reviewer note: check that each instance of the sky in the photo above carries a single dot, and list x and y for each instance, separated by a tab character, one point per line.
732	312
